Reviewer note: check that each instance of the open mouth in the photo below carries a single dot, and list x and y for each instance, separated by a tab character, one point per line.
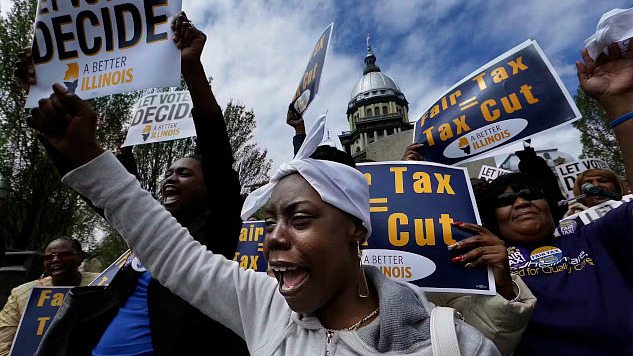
56	269
171	194
290	278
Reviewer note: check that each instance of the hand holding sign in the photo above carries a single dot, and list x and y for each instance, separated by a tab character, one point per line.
490	250
68	124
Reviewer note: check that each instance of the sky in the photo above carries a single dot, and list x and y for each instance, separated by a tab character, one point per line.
256	51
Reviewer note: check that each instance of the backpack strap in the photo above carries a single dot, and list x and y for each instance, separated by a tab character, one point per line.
443	333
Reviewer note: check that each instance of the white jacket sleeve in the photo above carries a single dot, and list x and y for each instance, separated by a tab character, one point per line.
500	320
243	300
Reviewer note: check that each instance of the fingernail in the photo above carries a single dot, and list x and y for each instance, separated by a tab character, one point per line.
453	246
468	265
457	259
457	223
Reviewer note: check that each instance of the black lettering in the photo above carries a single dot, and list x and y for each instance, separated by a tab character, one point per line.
152	20
138	116
119	16
182	111
81	33
107	29
49	50
62	37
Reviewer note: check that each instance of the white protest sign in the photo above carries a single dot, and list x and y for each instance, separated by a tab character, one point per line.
161	117
98	48
568	172
489	173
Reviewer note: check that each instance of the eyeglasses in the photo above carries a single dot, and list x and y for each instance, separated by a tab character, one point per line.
528	194
61	255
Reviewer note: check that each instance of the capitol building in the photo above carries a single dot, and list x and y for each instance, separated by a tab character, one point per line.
377	109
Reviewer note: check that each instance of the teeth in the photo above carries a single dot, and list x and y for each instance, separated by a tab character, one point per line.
283	269
285	288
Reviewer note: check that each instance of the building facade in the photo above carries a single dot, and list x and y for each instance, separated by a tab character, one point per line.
377	109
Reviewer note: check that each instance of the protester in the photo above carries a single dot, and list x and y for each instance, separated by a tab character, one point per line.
61	258
501	318
583	279
597	177
199	191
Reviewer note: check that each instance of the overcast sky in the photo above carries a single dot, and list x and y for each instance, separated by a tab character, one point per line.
257	50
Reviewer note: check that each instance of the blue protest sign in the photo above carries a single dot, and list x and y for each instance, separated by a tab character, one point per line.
250	246
412	207
309	83
511	98
106	276
40	310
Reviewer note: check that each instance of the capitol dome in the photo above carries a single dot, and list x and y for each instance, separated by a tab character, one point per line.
374	85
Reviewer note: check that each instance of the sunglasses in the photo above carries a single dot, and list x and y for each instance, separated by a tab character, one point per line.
528	194
61	255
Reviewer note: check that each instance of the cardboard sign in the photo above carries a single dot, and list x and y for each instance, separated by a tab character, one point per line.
250	247
309	83
98	48
40	310
568	172
412	207
507	100
489	173
161	117
108	274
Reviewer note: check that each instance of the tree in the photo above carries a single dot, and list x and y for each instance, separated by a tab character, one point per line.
41	207
250	161
597	137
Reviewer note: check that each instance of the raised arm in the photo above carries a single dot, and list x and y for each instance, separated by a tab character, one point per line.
242	300
611	83
212	141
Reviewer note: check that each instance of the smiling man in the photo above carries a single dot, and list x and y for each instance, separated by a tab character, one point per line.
61	258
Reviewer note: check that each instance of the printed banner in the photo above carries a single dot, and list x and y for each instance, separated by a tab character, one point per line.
98	48
250	247
507	100
106	276
412	208
489	173
568	172
40	310
573	222
161	117
309	84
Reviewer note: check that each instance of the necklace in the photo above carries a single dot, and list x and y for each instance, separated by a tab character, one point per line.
360	322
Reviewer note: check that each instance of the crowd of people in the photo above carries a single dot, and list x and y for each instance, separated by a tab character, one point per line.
565	291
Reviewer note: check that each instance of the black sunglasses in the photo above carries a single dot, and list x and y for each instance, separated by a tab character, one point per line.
528	194
61	255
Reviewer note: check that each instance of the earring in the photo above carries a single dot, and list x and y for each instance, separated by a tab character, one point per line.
363	289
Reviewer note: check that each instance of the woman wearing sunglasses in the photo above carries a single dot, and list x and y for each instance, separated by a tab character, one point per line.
582	276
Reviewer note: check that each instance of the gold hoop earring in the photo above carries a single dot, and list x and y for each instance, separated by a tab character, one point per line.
363	289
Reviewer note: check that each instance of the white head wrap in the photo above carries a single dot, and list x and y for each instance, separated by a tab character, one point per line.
339	185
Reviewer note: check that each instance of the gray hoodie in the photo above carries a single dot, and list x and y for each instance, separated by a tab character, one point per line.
248	302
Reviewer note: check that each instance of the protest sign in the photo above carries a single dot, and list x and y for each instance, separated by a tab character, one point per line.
250	246
511	98
161	117
309	84
567	172
98	48
106	276
40	310
570	224
412	207
489	173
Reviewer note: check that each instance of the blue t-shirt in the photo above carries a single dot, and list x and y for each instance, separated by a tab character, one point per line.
129	334
582	284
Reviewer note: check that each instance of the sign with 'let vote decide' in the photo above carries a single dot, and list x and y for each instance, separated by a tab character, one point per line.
102	47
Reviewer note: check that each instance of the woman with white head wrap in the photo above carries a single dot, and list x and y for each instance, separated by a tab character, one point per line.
317	216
